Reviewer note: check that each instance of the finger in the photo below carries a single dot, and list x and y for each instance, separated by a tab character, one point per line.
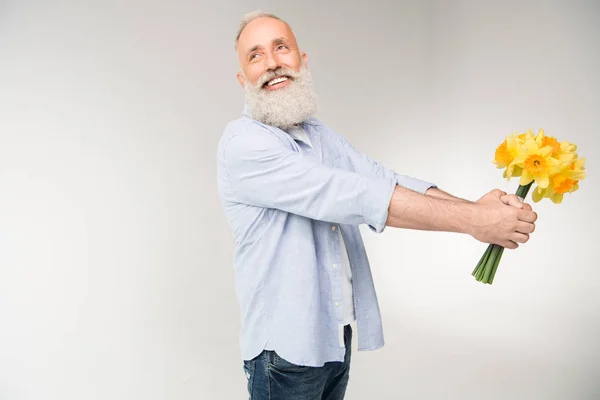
519	237
509	244
511	200
525	227
527	216
527	206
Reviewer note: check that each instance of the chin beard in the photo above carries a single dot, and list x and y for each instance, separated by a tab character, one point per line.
283	107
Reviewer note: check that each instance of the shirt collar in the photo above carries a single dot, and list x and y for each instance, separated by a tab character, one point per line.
246	111
299	134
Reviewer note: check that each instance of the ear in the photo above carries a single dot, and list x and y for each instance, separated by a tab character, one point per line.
304	59
241	79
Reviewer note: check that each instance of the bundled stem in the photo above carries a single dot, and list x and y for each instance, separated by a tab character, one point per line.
488	263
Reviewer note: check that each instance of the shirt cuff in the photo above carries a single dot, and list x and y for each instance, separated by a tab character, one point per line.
377	203
414	184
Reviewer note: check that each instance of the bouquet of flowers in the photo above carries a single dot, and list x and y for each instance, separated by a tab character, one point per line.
553	166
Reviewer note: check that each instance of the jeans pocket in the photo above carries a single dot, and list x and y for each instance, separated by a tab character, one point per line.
284	365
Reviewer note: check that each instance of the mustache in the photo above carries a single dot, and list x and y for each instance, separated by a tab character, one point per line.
276	73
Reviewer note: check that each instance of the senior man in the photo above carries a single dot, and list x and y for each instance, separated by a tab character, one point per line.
294	193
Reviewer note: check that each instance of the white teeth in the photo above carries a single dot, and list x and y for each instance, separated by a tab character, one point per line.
277	80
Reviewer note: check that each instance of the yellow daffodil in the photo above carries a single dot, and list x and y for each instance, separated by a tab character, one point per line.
537	163
506	154
578	167
566	180
523	137
543	141
567	147
566	154
538	194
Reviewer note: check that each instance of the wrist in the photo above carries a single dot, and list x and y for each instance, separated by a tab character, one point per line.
474	218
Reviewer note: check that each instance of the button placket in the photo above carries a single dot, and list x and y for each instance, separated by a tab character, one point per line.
336	271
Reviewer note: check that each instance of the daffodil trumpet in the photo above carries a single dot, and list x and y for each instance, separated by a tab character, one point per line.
554	166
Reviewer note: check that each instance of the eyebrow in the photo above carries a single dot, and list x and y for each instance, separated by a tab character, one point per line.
254	48
279	40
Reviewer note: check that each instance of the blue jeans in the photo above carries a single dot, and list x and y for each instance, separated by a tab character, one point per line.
270	377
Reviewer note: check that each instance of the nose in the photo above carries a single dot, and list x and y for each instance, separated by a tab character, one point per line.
271	61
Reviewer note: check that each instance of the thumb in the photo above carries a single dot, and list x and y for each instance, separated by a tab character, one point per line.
511	200
498	193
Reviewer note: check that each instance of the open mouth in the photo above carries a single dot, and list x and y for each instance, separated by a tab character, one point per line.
277	82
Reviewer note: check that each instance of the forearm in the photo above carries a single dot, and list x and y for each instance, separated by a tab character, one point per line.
440	194
433	212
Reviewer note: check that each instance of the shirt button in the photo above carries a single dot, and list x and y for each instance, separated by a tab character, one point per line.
337	303
335	266
333	228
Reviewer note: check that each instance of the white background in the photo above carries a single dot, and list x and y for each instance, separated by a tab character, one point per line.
116	278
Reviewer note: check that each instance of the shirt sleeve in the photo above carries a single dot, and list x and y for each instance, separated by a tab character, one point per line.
366	166
265	171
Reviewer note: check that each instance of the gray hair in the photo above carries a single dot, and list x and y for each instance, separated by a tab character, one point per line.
251	16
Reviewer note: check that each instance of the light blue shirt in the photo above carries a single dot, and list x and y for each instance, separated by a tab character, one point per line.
285	202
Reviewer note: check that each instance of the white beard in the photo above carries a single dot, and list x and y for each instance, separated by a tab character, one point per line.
283	107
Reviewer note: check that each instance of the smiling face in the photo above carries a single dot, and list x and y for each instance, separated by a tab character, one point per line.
264	45
274	74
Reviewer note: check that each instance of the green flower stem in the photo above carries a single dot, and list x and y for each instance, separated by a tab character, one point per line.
481	273
500	251
494	260
523	190
481	265
482	268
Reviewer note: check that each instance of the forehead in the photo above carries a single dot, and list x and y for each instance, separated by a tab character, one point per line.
262	31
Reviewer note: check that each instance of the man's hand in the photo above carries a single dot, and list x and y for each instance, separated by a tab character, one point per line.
504	220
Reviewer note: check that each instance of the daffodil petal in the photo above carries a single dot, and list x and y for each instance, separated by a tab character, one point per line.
543	181
537	195
557	198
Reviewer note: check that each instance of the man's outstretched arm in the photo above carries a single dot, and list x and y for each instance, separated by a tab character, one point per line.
488	220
